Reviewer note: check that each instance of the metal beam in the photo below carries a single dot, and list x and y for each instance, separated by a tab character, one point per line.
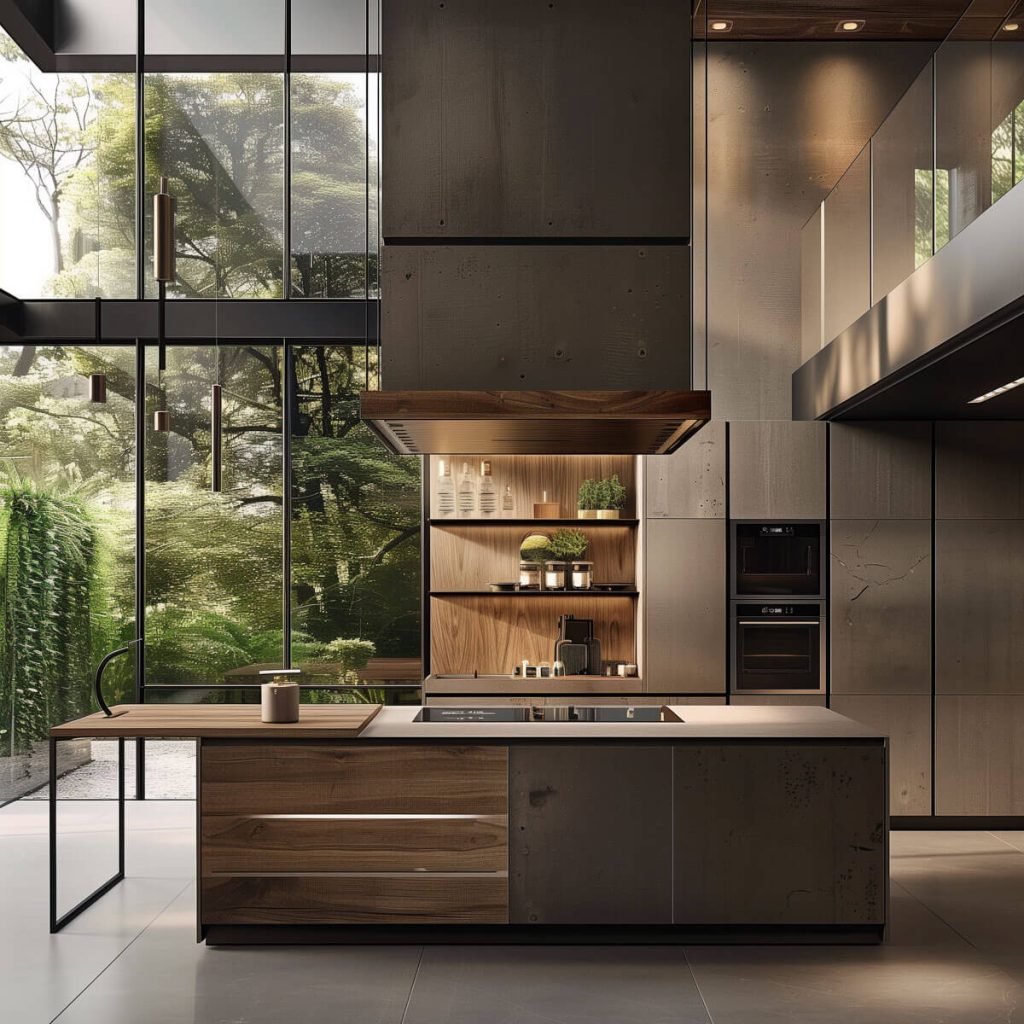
189	320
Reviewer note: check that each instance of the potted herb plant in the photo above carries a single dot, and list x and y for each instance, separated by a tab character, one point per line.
564	548
611	498
587	503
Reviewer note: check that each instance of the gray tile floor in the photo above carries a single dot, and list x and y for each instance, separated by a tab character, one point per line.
955	955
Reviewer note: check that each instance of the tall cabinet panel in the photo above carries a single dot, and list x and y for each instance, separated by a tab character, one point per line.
777	469
979	606
689	484
536	119
685	606
881	594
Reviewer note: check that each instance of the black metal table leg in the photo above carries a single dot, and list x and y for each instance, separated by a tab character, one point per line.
56	923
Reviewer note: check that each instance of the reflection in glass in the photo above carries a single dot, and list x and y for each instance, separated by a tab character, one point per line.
66	545
334	185
213	560
219	138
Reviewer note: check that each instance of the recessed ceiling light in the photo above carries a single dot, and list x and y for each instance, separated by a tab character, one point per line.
996	392
850	26
721	25
1011	26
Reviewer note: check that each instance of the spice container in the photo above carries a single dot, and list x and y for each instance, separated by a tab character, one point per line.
530	574
555	575
582	575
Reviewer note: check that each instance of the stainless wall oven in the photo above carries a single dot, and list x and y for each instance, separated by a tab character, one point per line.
778	647
777	559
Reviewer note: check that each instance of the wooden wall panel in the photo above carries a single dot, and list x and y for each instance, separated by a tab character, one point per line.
531	475
262	844
565	802
804	841
503	119
388	898
542	317
471	557
493	634
335	778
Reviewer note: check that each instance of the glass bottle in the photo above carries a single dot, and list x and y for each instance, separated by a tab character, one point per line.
467	493
445	489
487	498
508	504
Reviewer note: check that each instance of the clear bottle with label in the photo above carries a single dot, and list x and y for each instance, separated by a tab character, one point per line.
487	496
467	493
508	503
445	489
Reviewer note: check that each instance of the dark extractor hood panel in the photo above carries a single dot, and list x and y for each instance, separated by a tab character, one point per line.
535	422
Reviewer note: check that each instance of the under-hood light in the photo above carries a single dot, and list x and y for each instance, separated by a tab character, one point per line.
996	392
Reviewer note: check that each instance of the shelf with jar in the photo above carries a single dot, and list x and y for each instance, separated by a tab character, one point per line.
509	488
510	558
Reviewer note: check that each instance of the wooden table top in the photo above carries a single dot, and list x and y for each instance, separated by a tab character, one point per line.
225	721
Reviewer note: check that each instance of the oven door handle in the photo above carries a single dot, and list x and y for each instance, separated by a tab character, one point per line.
780	622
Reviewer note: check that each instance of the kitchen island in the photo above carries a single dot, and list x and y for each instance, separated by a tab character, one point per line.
714	824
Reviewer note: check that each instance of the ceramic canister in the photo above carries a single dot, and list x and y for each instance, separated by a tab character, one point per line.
280	702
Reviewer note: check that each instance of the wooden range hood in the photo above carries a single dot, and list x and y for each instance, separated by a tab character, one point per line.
535	422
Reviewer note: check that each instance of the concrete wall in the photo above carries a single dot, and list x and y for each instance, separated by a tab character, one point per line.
784	121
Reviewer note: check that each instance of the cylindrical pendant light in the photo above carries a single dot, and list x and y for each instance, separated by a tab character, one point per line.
163	271
216	437
98	381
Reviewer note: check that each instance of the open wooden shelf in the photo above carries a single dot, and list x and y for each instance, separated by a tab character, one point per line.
583	524
535	593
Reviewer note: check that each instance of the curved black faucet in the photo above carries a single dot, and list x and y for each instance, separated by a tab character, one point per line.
98	684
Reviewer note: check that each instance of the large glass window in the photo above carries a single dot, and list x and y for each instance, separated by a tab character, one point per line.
355	524
67	181
334	184
66	545
219	139
213	559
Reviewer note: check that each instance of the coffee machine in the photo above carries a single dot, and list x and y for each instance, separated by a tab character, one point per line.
577	648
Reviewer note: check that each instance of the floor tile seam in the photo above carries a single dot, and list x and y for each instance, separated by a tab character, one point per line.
1016	849
938	917
412	985
696	985
142	931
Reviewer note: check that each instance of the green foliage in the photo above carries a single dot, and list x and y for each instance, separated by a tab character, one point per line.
567	545
535	548
614	494
588	496
48	559
351	653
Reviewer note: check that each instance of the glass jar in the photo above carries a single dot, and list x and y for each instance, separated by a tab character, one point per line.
582	575
529	575
555	575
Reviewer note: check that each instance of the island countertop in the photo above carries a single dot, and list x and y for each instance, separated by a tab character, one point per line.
369	722
698	722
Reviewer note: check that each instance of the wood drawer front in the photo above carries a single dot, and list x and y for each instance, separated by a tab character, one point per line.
356	899
236	844
340	778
